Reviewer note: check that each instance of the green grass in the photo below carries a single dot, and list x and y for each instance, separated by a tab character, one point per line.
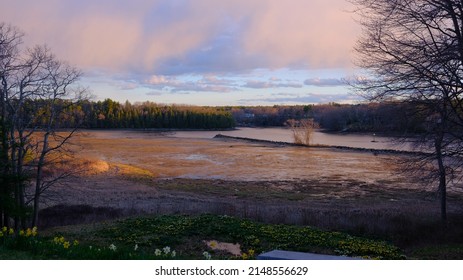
7	254
186	235
433	252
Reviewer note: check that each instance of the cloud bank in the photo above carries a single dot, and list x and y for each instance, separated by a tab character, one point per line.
161	44
180	36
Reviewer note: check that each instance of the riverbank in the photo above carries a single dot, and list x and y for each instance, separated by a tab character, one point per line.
354	149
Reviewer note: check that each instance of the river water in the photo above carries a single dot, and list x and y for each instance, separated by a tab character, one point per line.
368	141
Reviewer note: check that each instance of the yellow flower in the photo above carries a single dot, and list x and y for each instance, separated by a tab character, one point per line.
4	229
66	244
11	231
76	242
59	240
1	234
21	233
244	256
34	229
213	244
28	232
251	252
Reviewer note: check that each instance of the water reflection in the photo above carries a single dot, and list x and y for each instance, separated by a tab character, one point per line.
369	141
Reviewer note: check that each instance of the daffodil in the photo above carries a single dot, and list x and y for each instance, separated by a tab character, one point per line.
66	245
11	231
75	243
4	229
1	234
213	244
21	233
207	256
112	247
28	232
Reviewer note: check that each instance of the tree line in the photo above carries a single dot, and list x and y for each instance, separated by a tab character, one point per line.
386	117
112	114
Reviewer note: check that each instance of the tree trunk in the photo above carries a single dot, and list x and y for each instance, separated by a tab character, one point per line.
442	177
38	180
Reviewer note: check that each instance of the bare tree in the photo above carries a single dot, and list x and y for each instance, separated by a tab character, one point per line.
10	40
412	51
37	90
302	130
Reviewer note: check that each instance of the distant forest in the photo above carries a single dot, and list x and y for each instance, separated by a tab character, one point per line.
390	117
112	114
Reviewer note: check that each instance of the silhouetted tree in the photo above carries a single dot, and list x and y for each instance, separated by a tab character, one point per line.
35	96
413	52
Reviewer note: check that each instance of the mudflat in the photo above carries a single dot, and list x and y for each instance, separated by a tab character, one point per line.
137	172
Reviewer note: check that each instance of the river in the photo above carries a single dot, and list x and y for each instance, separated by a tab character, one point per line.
369	141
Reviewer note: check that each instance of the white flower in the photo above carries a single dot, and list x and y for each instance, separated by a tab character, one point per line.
174	254
136	247
207	255
166	250
112	247
157	252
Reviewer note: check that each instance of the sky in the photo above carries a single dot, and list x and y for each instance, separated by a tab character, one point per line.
199	52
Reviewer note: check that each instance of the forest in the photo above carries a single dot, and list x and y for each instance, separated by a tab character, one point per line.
392	117
112	114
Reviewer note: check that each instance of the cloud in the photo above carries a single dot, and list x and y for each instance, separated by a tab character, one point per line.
204	84
162	81
187	46
154	93
271	84
309	98
325	82
189	36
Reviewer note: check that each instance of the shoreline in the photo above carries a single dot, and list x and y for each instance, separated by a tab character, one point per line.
367	150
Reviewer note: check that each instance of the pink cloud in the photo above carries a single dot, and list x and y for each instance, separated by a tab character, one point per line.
147	35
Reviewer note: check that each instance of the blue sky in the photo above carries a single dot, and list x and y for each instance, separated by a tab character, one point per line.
201	52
